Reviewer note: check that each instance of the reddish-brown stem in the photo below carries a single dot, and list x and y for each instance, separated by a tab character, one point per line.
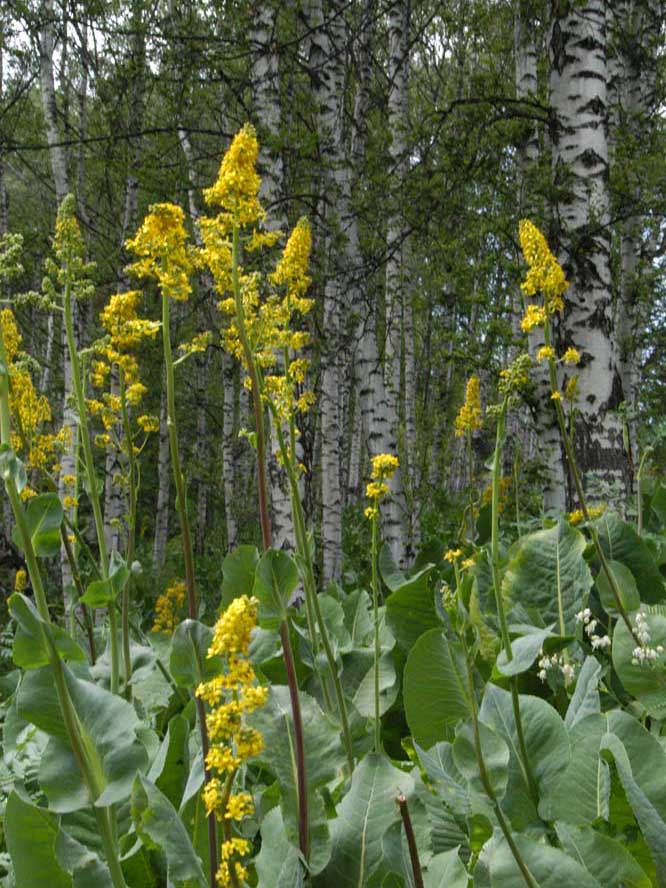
303	836
411	841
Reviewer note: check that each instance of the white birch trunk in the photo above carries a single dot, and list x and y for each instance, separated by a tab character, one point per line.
266	93
578	93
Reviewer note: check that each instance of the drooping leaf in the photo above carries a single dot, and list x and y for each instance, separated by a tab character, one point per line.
43	516
410	608
585	699
626	584
647	683
549	576
435	687
159	826
620	542
525	650
279	862
275	579
11	467
188	661
495	752
34	637
170	767
238	570
446	870
602	856
364	815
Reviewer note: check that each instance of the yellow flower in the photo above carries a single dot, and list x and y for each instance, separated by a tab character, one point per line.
148	423
237	186
384	465
292	269
452	555
571	356
516	376
571	389
69	502
593	512
556	396
467	563
161	243
234	627
545	353
198	343
167	607
535	316
544	275
469	417
20	580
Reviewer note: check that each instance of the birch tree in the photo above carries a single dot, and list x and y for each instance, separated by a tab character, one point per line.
579	100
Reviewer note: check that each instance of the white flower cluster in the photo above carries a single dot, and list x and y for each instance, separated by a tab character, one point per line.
598	642
644	655
555	661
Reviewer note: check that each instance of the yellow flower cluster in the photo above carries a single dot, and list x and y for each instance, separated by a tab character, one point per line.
452	555
469	417
230	696
31	411
571	356
516	376
544	274
577	516
545	353
168	606
20	580
237	187
535	316
161	243
384	467
504	488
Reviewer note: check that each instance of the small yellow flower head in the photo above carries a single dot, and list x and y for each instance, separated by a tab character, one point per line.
384	465
571	356
148	423
167	607
516	376
544	274
467	563
545	353
556	396
161	243
469	417
452	555
20	580
292	269
571	389
197	344
237	186
577	516
234	627
69	502
535	316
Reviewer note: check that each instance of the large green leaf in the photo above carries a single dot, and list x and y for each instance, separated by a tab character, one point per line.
626	585
495	757
238	570
159	827
435	687
410	608
323	755
649	819
170	767
546	741
364	815
107	730
188	661
85	867
102	593
43	517
549	576
605	858
620	542
446	870
276	578
11	467
647	683
35	638
525	649
31	835
549	867
279	862
585	700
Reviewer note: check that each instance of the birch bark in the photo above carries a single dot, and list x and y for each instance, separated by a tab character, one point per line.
578	95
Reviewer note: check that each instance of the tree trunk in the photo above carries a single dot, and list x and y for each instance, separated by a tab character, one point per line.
578	93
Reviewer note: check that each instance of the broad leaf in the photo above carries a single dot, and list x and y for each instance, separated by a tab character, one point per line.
11	467
279	862
446	870
626	585
495	757
549	576
238	570
647	683
35	638
31	835
275	580
43	516
364	815
620	542
435	687
548	866
605	858
188	662
159	827
410	608
525	649
585	700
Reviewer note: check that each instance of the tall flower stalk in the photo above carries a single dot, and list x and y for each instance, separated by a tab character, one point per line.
545	276
384	466
164	254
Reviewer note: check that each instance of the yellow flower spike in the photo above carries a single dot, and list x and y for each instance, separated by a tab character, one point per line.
571	356
384	465
237	187
534	316
233	629
167	607
292	269
544	274
161	243
469	417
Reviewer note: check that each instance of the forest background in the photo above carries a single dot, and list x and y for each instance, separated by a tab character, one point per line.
414	137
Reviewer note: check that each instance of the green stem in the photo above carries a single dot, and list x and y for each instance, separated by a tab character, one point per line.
186	538
639	495
573	465
499	601
264	520
131	533
89	465
375	611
